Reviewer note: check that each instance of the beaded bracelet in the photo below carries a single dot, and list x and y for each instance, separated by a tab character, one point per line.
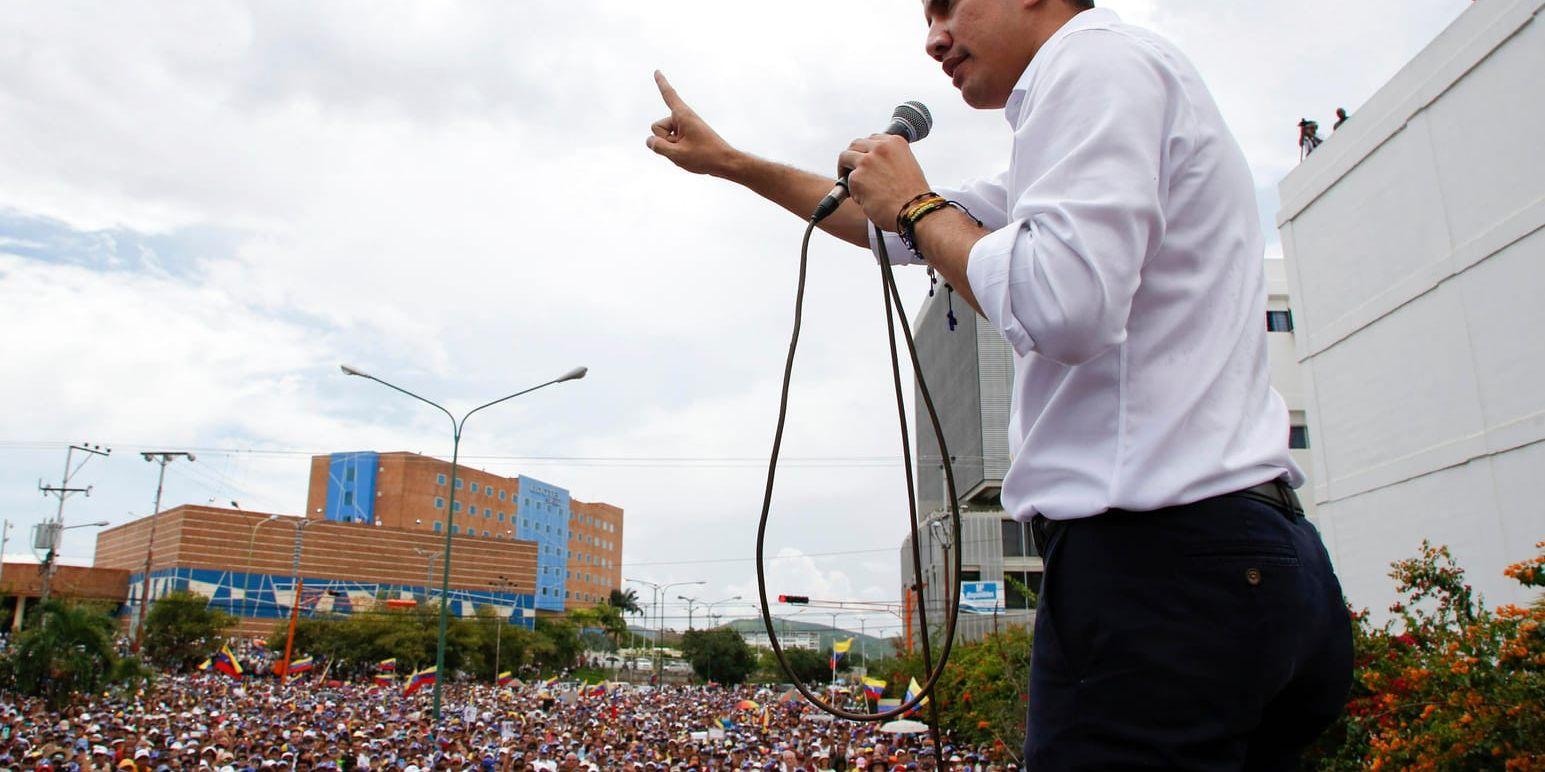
907	220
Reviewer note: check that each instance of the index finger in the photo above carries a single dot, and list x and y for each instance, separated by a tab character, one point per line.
672	100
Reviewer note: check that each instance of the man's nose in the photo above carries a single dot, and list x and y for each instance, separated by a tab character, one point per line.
937	43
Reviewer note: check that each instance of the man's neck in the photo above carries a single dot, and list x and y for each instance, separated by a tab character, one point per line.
1050	17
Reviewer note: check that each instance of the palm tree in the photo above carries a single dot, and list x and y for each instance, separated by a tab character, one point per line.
69	651
625	601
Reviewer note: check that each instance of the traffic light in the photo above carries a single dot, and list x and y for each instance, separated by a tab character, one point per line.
798	600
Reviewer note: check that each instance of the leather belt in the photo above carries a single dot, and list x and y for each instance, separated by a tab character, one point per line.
1276	493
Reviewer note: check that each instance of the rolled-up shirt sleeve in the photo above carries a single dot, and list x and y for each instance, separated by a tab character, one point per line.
1058	276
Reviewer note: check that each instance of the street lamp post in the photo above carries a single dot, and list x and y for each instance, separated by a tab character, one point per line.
246	595
710	606
450	510
429	570
692	603
507	584
163	458
660	591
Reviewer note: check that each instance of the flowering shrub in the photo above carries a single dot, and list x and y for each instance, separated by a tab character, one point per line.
1447	683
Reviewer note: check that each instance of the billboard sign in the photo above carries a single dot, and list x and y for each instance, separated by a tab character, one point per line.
981	597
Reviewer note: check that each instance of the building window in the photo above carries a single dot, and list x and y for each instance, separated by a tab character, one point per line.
455	506
348	474
455	529
348	498
439	479
459	481
474	487
486	534
1298	437
1279	321
501	494
439	526
1013	539
439	502
488	514
501	517
1013	598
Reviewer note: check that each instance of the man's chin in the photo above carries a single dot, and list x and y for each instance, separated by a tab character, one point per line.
976	99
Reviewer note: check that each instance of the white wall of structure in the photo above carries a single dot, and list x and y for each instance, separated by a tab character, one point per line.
1416	261
1287	377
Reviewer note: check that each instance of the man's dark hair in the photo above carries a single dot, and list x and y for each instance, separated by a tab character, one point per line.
1082	5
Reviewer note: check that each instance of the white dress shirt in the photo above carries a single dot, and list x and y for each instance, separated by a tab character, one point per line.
1125	268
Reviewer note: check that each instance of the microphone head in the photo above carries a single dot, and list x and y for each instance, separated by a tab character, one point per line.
913	120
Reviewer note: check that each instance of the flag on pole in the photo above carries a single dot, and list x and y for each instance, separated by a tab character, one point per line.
225	662
912	691
384	680
505	678
840	650
874	688
788	695
418	680
387	665
299	666
205	664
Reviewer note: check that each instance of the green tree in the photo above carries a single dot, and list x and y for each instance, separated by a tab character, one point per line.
68	651
808	665
181	630
560	646
606	618
625	601
719	655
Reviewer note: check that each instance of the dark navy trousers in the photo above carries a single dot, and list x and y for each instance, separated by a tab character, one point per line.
1208	636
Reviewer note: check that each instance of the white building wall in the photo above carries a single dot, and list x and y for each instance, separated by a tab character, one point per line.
1287	377
1416	258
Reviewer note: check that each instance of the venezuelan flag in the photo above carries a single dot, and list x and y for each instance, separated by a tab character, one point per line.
225	662
505	678
840	650
387	665
912	691
205	664
874	688
384	680
425	676
299	666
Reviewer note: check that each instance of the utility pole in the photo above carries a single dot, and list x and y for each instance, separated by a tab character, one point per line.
63	491
162	457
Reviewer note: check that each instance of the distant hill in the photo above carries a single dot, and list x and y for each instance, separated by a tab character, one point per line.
873	647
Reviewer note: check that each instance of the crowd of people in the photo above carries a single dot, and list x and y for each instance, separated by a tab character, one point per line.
212	721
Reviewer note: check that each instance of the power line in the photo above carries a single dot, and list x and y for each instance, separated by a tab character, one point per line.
843	461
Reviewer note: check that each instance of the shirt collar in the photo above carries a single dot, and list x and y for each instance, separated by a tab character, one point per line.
1094	17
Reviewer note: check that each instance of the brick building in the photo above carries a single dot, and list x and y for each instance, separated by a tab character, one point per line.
21	585
242	561
578	544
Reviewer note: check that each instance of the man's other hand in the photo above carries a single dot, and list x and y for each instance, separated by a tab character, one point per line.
686	139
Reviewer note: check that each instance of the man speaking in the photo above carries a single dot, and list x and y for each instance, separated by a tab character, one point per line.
1189	617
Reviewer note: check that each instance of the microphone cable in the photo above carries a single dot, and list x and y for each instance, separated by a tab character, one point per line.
893	312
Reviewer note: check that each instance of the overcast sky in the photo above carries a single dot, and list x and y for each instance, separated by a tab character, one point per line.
206	207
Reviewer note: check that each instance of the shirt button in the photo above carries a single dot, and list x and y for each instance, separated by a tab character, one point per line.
1253	576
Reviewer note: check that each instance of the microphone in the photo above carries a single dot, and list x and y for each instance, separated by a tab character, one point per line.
911	121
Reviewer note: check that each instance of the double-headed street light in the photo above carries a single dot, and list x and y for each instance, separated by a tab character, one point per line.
450	509
660	591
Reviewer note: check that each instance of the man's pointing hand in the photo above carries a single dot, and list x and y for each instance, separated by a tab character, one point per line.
686	139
